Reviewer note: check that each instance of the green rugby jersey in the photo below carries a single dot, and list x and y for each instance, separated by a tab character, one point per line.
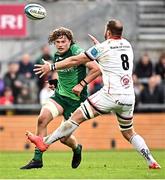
68	78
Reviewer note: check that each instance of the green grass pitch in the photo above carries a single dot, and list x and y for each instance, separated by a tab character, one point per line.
95	165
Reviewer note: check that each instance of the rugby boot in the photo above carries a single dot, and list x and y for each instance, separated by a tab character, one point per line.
154	165
33	164
38	141
77	156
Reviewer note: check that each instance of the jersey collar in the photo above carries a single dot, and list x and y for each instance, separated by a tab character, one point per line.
115	37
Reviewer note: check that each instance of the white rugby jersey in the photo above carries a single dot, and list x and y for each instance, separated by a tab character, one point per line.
115	57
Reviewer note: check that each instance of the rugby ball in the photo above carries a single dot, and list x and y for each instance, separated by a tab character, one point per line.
35	11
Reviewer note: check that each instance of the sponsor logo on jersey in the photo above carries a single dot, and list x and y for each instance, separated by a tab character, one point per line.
67	70
120	47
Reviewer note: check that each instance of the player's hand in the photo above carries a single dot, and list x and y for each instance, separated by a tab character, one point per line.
77	89
95	41
42	69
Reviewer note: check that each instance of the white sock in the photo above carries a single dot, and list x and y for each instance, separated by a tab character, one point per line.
65	129
139	144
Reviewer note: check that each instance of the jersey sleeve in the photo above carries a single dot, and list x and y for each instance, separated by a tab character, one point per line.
94	52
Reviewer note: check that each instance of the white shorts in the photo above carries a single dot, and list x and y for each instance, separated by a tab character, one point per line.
121	105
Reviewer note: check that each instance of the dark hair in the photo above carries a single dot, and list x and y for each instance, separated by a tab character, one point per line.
59	33
115	27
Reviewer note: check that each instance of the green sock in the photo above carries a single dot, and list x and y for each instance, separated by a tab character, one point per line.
37	155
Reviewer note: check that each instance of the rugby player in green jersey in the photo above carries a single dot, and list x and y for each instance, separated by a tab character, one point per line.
71	90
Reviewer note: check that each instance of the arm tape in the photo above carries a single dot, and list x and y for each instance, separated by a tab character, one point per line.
81	84
53	67
85	81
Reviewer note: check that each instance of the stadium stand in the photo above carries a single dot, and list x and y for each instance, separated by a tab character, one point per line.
144	27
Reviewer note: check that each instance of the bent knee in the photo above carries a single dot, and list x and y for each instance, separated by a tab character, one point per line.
63	140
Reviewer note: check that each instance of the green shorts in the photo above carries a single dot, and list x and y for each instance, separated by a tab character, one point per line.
69	105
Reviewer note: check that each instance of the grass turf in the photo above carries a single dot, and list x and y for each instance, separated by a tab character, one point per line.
95	165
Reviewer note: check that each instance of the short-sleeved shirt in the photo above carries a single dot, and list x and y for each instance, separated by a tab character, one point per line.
115	57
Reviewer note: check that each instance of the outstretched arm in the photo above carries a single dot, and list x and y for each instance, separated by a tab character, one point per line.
72	61
43	69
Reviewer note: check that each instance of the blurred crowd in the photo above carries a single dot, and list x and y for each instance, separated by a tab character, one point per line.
149	80
19	85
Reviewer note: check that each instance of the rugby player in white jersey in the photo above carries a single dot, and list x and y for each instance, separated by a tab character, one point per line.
115	57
